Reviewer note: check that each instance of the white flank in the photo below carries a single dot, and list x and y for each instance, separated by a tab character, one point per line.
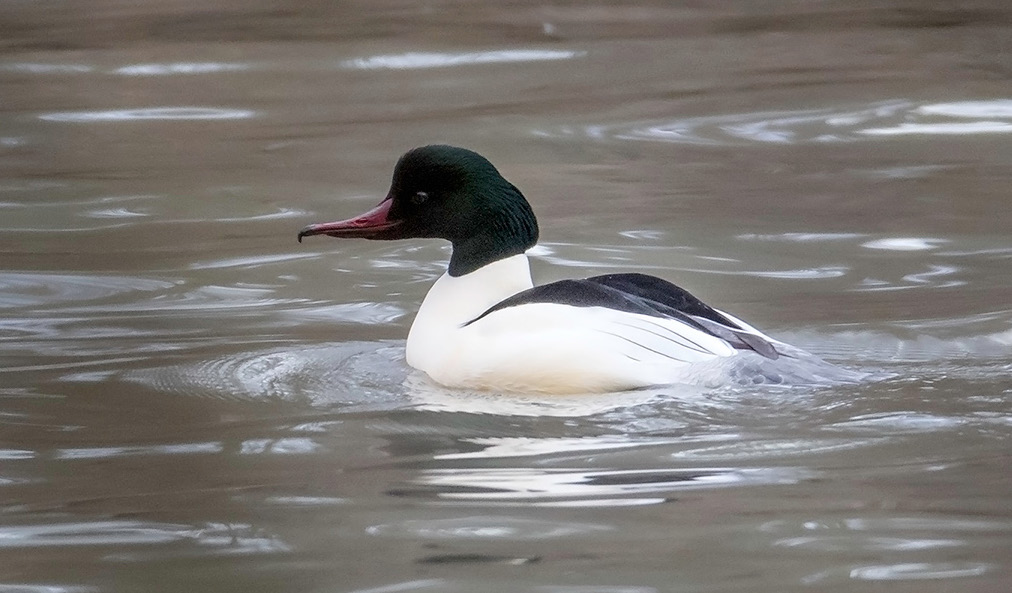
545	347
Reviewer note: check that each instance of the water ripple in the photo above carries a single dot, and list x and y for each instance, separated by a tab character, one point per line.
180	68
115	213
502	447
485	528
901	423
942	129
239	537
284	446
919	571
766	449
418	60
152	113
360	374
250	261
278	214
19	289
904	243
797	237
39	68
148	69
32	588
819	273
831	124
868	345
362	313
865	544
996	108
486	584
129	451
878	535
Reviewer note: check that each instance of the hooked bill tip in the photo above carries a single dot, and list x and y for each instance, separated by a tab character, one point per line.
306	231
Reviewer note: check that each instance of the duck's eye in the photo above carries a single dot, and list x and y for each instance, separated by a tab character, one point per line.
419	198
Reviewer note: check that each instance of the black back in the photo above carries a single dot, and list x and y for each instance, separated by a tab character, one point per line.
642	294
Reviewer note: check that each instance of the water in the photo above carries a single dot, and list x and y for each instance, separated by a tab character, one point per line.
192	401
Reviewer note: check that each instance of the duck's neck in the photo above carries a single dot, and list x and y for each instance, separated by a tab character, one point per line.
482	251
508	229
459	299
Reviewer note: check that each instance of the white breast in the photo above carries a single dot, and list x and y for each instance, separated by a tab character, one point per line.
545	347
453	301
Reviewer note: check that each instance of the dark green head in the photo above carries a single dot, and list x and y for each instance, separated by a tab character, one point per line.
448	193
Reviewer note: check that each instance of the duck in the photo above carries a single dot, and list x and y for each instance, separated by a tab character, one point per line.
485	326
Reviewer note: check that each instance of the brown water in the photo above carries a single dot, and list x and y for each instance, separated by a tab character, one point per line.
192	401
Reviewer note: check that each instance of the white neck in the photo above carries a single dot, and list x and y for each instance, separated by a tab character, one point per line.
454	300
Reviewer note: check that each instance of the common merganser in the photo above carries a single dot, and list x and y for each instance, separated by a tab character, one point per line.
484	325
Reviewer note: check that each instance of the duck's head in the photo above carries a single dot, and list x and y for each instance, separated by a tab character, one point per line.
448	193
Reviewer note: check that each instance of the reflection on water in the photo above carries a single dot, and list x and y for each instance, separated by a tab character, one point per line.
192	401
569	488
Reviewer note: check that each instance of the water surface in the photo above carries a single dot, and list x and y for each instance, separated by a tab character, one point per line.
192	400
